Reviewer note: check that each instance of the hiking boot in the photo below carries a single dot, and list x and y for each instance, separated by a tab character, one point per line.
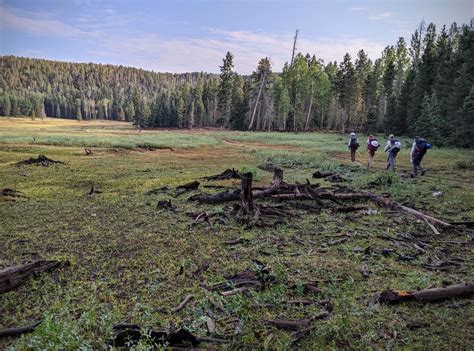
422	173
412	175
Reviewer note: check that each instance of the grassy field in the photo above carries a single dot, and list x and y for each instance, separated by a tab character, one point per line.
130	259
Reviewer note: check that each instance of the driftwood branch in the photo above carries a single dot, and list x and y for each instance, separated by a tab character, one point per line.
426	295
12	277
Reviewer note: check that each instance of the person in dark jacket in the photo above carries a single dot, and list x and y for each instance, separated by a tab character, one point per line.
353	145
418	151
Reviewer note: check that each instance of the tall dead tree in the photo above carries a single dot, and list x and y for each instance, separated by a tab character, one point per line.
294	47
262	83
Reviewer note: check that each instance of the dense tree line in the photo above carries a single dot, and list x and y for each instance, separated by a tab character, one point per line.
423	88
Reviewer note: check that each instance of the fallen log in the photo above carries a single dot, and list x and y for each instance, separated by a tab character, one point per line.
184	188
189	186
392	296
227	174
12	277
11	332
322	174
386	202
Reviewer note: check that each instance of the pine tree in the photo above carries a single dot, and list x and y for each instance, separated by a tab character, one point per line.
237	120
225	90
427	125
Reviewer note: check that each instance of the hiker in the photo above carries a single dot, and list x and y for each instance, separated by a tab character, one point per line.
372	146
353	146
418	151
392	149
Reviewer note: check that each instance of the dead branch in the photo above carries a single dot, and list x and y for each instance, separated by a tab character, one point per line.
227	174
12	277
183	304
185	188
11	332
426	295
288	325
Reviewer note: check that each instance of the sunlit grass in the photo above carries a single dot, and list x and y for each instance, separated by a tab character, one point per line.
126	254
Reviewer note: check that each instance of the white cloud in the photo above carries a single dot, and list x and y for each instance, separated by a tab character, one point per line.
184	54
205	54
382	15
358	9
41	25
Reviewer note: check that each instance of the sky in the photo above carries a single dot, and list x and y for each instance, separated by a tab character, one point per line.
194	35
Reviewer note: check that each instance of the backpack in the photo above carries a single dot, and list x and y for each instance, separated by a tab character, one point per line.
396	146
373	144
422	146
354	144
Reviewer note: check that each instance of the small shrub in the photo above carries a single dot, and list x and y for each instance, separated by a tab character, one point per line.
255	172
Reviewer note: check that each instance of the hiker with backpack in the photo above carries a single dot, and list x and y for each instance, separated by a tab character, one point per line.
392	149
353	146
418	151
372	146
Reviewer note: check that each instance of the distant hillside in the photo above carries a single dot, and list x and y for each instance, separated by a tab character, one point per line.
94	91
425	88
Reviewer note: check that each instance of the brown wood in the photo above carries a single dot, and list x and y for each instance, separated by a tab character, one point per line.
392	296
183	304
227	174
277	177
246	198
322	174
11	332
12	277
289	325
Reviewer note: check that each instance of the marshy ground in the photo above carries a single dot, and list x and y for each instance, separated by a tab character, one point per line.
131	259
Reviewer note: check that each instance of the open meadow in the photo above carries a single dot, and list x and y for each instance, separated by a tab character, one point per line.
134	261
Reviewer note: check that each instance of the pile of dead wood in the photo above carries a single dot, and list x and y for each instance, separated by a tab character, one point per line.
42	160
291	193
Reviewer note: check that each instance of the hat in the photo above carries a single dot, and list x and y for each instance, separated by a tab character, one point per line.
391	136
353	134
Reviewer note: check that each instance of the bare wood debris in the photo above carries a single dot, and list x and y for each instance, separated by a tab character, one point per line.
13	277
296	193
227	174
17	331
42	160
393	296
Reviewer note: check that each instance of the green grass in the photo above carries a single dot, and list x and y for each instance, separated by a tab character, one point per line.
126	253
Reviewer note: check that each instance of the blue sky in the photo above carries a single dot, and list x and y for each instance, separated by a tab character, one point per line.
194	35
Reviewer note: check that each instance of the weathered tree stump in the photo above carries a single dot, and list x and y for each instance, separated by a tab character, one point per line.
246	198
277	177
